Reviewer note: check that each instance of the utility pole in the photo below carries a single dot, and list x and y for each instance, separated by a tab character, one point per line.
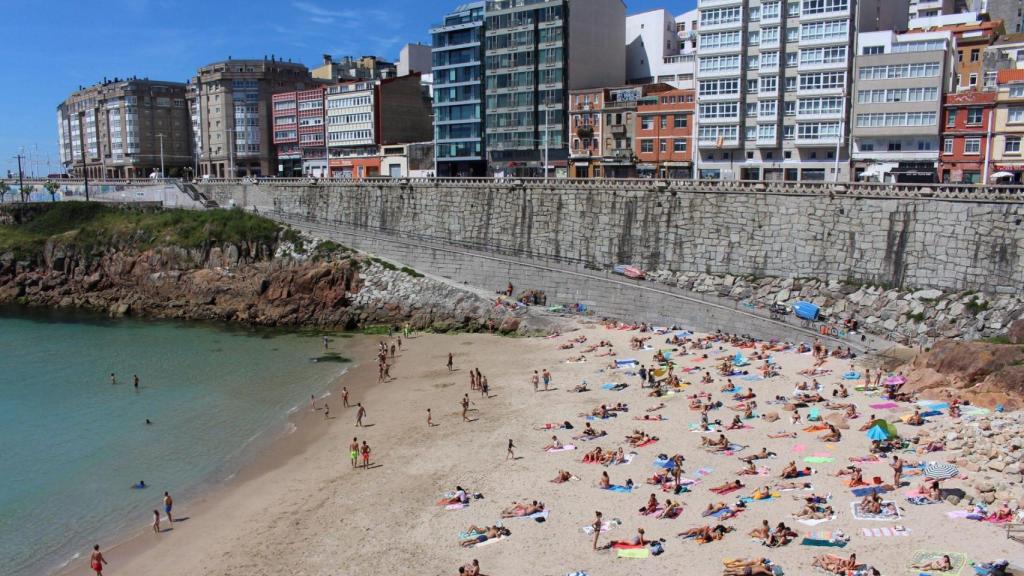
85	171
546	142
162	173
21	182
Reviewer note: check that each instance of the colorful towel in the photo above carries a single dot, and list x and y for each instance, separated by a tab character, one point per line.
618	488
564	448
634	553
817	542
884	405
884	532
534	516
816	521
606	526
862	492
724	491
921	556
819	459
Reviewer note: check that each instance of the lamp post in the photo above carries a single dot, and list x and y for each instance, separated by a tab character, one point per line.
161	137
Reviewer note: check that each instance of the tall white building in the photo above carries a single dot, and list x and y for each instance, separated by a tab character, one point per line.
773	85
660	48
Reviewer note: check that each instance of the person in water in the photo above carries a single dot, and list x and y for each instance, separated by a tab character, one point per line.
141	484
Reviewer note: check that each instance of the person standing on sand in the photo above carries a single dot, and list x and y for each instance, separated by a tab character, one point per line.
353	452
96	561
325	342
327	411
399	343
511	450
312	402
597	527
156	521
484	388
451	362
344	397
168	505
535	379
430	419
360	414
366	455
547	378
465	408
897	471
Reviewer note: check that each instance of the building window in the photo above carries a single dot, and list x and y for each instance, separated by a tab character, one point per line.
974	116
1017	91
1016	114
972	146
750	132
647	123
947	146
975	54
951	118
679	145
1012	145
790	107
664	122
647	146
990	79
972	80
680	120
663	145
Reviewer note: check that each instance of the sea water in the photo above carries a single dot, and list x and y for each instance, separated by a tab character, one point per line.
72	444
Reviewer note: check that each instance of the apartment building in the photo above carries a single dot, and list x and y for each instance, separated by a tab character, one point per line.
300	132
972	35
602	125
966	135
929	8
121	128
900	82
663	134
1008	128
773	85
230	103
1011	12
659	48
362	116
535	52
349	68
458	58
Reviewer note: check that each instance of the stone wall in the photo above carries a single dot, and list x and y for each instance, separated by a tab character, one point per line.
906	240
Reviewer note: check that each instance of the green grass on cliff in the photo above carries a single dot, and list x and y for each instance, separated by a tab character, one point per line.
89	225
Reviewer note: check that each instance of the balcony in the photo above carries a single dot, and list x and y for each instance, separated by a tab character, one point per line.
819	66
837	91
769	142
727	49
616	129
824	41
716	3
808	116
819	141
897	155
735	96
706	121
719	73
679	59
825	15
716	143
730	25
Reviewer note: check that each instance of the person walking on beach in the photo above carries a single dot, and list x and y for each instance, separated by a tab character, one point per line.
511	450
484	388
399	343
451	362
360	414
535	379
325	342
312	402
430	419
353	452
897	471
327	411
156	521
547	378
344	397
366	455
597	527
168	505
465	408
96	561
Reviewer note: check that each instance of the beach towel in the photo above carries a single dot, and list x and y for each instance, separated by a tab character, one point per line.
851	375
890	512
564	448
724	513
884	532
626	362
535	515
490	541
468	535
614	387
727	490
634	553
824	543
701	472
884	405
862	492
809	488
618	488
933	405
752	377
456	506
749	499
647	442
606	526
819	459
956	558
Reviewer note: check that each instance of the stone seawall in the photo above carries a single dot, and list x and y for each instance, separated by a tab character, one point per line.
911	243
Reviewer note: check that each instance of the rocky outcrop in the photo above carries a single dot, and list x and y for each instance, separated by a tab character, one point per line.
248	283
900	316
988	374
990	448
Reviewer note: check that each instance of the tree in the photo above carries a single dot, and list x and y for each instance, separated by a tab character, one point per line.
26	192
52	187
4	189
585	132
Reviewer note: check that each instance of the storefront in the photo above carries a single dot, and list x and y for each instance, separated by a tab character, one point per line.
1014	171
355	168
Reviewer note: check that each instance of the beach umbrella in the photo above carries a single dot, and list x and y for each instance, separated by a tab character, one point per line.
886	427
877	433
895	381
937	471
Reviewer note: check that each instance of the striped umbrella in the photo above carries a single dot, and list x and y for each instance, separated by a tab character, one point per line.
937	471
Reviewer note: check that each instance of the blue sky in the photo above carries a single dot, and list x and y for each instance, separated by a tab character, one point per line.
53	46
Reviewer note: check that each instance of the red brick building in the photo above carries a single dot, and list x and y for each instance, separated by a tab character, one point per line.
299	133
966	122
663	135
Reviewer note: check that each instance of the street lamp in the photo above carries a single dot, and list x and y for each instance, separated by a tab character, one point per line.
161	137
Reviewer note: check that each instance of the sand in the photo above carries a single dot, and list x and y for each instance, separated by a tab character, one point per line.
308	512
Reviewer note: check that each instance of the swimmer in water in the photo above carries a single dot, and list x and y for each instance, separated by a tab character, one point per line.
135	381
148	421
113	379
140	485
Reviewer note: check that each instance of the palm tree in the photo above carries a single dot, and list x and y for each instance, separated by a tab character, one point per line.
26	192
4	189
52	187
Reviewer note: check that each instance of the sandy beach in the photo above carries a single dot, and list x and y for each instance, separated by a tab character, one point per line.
302	509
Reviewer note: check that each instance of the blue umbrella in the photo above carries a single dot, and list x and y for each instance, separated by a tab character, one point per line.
876	433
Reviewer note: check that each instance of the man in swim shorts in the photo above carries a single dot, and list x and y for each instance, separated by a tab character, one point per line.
96	561
168	504
353	452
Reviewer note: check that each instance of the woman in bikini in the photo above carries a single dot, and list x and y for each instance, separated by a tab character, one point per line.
943	564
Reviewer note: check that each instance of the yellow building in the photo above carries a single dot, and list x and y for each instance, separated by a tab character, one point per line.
1009	127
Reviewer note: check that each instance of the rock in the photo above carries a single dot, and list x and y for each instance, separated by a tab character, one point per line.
997	465
953	499
926	295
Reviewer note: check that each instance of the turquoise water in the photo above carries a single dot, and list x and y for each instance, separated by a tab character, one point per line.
72	444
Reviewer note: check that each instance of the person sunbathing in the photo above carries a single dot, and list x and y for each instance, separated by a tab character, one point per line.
518	510
815	512
566	346
762	493
871	504
590	432
614	457
556	444
672	509
748	395
943	564
780	536
579	388
1000	516
620	407
648	417
483	534
576	359
915	419
460	497
764	454
594	456
707	378
605	482
736	424
705	534
810	398
754	567
762	532
720	443
555	426
933	446
728	387
727	487
589	349
656	408
835	564
580	339
792	485
833	435
563	477
783	435
843	392
791	471
651	506
601	412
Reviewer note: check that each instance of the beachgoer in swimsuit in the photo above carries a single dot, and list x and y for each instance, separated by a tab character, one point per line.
168	505
96	560
353	452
